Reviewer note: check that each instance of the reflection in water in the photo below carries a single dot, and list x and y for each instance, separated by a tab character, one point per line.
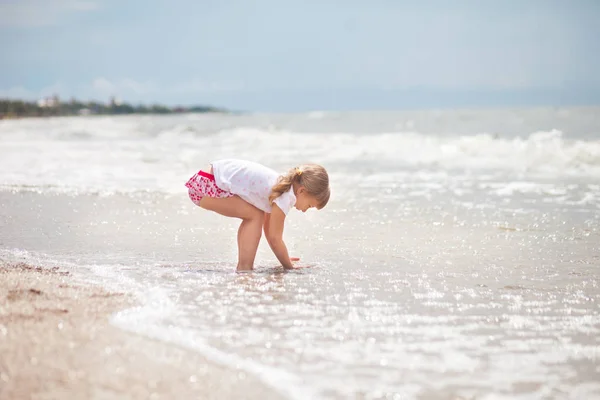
447	265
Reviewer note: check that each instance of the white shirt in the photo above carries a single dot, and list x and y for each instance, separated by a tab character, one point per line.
252	182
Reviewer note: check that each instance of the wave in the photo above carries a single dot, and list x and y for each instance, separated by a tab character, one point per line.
543	151
124	155
153	317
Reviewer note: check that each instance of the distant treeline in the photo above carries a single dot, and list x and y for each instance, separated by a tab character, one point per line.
52	106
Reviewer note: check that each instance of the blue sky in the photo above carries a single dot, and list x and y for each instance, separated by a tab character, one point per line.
281	55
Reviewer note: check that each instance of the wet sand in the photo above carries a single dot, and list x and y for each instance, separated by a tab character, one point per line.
56	342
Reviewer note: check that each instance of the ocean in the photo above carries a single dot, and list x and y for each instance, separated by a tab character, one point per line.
458	257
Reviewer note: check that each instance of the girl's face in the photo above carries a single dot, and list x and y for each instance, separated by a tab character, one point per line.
304	201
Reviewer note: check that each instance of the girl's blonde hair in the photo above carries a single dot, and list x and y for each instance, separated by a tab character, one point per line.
312	176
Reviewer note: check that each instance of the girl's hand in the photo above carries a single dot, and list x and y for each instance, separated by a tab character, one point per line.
300	267
293	260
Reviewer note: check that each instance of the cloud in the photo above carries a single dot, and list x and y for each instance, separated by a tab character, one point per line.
17	92
103	85
196	85
122	87
131	89
23	93
57	88
40	13
136	87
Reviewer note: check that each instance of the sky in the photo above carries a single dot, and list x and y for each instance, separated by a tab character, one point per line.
295	56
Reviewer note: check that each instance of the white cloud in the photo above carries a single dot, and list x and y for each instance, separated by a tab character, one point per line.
17	92
23	93
57	88
127	89
202	86
103	85
131	88
136	87
121	87
39	13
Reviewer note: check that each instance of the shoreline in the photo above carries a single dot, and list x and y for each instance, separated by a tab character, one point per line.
28	117
56	342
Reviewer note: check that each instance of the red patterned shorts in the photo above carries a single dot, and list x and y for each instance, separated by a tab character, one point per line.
202	185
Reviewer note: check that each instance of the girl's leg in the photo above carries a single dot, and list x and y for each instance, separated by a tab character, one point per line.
250	229
249	235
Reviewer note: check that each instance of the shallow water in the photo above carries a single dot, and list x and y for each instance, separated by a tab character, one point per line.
449	262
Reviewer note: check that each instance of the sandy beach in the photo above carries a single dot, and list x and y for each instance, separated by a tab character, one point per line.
451	263
56	342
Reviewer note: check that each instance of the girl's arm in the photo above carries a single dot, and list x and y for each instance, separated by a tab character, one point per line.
273	227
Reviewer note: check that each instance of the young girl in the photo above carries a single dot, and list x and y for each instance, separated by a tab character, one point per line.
261	198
